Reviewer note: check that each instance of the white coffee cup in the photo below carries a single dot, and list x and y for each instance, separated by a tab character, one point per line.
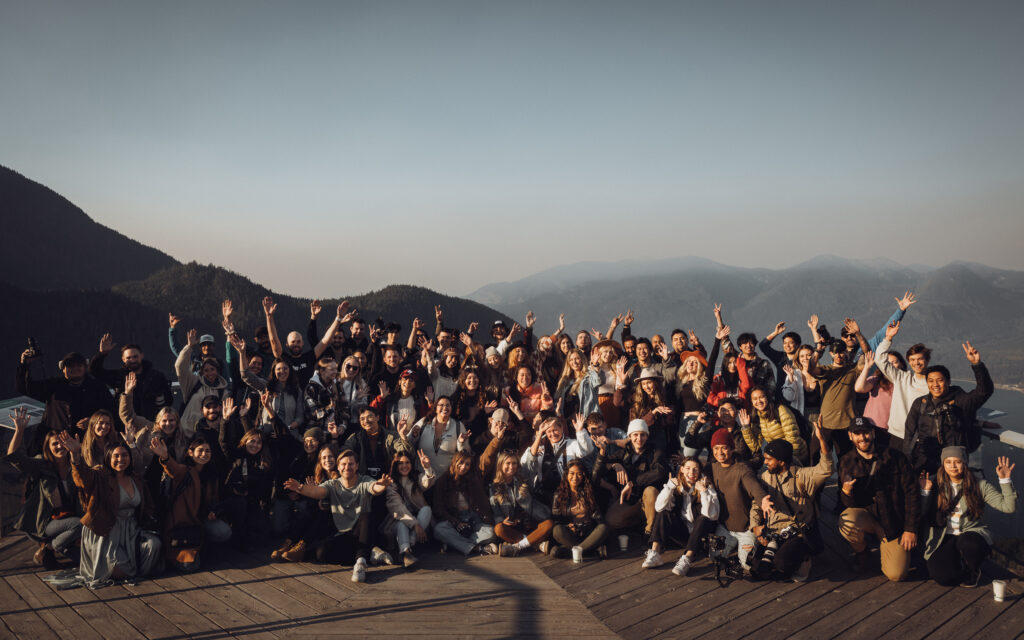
623	542
577	554
999	590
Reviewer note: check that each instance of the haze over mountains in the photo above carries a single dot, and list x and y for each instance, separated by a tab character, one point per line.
67	279
960	301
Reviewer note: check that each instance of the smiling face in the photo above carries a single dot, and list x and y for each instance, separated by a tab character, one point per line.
789	345
691	472
917	362
348	467
463	467
167	421
678	342
574	476
648	387
368	421
404	465
691	366
295	343
643	353
444	410
554	431
211	412
120	459
391	359
132	359
863	441
310	444
209	373
282	371
804	357
56	448
253	445
327	459
937	384
472	382
954	468
727	415
575	361
406	385
102	426
759	400
510	467
722	453
639	439
524	377
200	453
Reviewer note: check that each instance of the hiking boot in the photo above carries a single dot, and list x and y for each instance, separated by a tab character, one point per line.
380	557
652	559
682	565
359	570
45	557
297	553
277	553
489	550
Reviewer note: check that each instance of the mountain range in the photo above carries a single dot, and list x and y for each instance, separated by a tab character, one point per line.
67	280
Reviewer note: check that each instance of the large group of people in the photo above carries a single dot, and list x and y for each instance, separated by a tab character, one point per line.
507	442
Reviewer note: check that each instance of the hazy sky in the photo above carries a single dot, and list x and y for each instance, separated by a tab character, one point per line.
328	148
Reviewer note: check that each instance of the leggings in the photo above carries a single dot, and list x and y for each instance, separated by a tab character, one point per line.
588	541
670	525
956	553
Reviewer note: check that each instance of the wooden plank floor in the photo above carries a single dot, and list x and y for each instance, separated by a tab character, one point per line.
835	603
450	597
242	596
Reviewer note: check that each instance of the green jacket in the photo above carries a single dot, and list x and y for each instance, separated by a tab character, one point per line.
1002	499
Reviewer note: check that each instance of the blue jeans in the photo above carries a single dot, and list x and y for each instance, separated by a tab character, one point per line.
740	541
404	535
480	534
290	517
63	533
217	530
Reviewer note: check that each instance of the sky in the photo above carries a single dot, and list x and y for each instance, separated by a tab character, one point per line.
333	148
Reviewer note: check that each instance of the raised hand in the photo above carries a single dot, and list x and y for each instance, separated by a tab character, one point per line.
620	370
173	320
226	309
1003	467
438	314
924	481
130	381
972	354
291	484
464	437
561	322
473	326
70	443
851	326
743	417
892	330
417	324
723	332
597	334
403	427
578	422
159	447
346	316
788	368
907	300
779	328
813	322
228	407
193	337
693	339
530	319
106	343
314	309
466	339
628	319
516	328
20	418
269	307
383	387
424	459
385	481
246	406
237	342
718	311
702	484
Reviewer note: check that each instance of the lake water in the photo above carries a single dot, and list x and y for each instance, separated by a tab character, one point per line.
1011	402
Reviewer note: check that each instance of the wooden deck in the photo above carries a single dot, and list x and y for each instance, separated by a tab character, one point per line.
490	597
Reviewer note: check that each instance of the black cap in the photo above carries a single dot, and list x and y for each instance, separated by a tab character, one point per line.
72	358
861	425
780	450
211	399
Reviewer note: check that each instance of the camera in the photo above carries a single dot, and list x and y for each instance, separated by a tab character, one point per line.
825	335
33	347
763	562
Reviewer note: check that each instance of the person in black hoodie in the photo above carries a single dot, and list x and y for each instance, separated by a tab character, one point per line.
152	393
945	416
84	394
293	513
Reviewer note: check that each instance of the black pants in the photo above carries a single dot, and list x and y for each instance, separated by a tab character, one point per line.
790	556
670	525
345	548
956	553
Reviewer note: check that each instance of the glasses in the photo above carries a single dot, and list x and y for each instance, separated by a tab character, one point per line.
351	367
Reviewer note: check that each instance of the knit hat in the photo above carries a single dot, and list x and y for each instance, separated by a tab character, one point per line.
637	426
491	351
501	415
954	452
780	449
722	437
315	432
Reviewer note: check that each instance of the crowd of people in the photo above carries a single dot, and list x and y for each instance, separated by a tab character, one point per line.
373	441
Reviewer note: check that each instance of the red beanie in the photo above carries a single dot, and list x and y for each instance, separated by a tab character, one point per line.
722	436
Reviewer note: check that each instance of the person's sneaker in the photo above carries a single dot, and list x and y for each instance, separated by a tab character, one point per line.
652	559
544	547
489	550
359	570
380	557
277	553
682	565
562	553
508	550
297	553
972	579
408	559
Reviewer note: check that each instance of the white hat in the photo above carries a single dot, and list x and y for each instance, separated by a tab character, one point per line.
637	425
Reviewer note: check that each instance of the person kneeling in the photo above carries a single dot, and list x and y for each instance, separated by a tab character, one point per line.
687	524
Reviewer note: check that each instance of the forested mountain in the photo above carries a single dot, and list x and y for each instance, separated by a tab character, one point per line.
957	302
67	280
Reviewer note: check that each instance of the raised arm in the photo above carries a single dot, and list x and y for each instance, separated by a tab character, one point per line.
269	309
343	316
902	305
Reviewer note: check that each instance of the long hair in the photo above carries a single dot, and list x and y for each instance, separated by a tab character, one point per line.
464	398
458	458
108	454
290	385
93	449
969	488
699	380
501	481
414	474
569	375
644	403
47	453
263	457
679	474
209	471
319	473
771	410
564	498
884	382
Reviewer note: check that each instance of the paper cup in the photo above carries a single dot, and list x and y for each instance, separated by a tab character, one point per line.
623	542
999	590
577	554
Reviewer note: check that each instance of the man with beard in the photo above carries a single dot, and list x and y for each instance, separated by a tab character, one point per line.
83	394
153	392
303	363
792	494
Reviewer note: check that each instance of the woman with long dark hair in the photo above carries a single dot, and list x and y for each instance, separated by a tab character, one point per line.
283	385
576	514
99	435
515	511
114	546
687	510
462	510
958	542
409	514
776	422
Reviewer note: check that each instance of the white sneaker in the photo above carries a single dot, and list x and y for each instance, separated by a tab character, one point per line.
652	559
803	571
682	566
359	570
380	557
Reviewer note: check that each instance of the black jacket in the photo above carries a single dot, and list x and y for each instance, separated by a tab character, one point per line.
947	421
83	400
886	486
152	391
